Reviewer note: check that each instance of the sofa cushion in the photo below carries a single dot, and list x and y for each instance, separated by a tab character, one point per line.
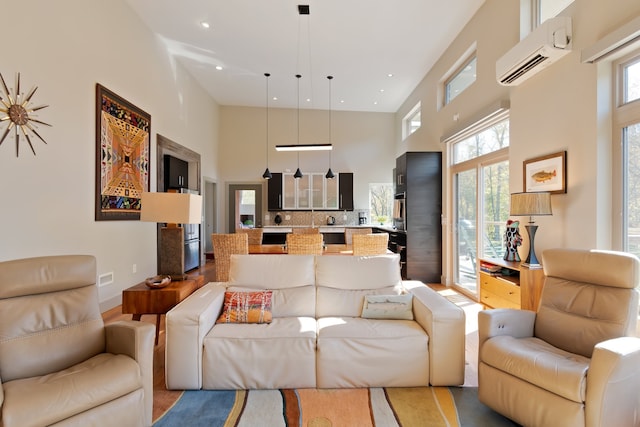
343	282
357	352
280	354
358	272
246	307
271	272
539	363
388	307
55	397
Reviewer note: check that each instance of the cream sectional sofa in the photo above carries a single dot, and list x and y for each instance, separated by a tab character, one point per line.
318	337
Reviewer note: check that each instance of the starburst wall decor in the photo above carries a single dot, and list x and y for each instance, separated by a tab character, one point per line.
17	112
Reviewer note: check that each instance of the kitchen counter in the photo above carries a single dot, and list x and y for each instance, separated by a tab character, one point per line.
323	228
333	234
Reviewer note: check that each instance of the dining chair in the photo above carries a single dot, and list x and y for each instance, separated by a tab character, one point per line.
254	235
225	245
370	244
349	232
308	244
309	230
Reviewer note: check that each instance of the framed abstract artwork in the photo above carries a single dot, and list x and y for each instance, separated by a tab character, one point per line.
123	133
546	173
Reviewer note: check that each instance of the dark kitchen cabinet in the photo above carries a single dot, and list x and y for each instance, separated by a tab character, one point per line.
176	173
274	192
275	188
419	176
345	189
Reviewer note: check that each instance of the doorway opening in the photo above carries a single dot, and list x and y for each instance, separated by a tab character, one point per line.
245	206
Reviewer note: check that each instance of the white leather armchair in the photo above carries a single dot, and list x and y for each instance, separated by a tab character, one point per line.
59	364
576	361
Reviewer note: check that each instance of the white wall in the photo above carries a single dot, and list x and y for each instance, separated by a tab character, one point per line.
65	47
363	144
558	109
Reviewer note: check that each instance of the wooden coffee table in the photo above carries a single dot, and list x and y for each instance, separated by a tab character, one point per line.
141	299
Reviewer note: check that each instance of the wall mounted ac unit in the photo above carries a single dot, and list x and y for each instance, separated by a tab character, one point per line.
541	48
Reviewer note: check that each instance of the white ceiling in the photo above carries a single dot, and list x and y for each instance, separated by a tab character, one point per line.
359	42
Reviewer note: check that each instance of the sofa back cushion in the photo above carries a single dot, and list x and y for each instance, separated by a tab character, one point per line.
343	281
588	297
290	277
49	315
271	271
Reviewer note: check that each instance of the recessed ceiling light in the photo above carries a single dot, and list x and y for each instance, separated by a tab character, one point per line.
204	24
342	101
308	99
219	67
389	75
381	90
375	102
275	98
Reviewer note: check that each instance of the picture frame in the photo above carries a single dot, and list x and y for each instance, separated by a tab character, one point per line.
546	173
123	135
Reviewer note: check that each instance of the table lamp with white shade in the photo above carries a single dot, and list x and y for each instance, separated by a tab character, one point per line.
171	209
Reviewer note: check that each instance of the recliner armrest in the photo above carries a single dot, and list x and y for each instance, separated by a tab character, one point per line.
186	326
613	383
136	340
505	321
444	323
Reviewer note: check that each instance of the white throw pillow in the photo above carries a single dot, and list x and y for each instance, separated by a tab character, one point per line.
398	307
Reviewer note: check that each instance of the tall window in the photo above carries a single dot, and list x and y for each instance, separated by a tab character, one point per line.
460	80
412	121
380	203
549	8
627	132
480	177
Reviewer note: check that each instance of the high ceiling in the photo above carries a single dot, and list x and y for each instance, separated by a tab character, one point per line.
377	51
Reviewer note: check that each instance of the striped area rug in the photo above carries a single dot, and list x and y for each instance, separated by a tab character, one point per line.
374	407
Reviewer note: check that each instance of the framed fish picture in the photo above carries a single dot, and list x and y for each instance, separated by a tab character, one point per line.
546	173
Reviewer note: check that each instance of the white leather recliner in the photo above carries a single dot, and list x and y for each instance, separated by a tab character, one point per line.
576	361
59	364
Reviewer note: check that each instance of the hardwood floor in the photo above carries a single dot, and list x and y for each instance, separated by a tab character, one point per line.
163	399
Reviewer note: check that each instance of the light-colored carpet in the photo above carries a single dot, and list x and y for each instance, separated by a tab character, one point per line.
374	407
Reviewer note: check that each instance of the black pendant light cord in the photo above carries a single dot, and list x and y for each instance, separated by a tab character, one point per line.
330	174
267	172
298	173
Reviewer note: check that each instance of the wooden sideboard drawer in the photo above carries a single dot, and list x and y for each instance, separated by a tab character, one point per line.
499	292
489	299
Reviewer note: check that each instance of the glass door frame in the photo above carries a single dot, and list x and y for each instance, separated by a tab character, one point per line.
478	164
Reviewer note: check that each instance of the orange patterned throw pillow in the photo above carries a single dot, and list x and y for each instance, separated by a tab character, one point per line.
246	307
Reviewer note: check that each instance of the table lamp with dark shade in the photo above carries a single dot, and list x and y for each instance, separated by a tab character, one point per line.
531	204
171	209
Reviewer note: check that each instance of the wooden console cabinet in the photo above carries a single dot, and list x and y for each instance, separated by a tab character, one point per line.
505	284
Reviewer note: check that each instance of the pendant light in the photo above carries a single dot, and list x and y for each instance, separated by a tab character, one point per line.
330	174
267	172
298	174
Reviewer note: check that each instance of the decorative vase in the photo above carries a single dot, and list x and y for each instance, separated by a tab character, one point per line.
512	240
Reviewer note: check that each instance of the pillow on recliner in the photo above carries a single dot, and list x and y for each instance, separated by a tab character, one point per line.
246	307
398	307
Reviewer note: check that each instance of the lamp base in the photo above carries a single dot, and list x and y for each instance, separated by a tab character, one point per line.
171	253
532	261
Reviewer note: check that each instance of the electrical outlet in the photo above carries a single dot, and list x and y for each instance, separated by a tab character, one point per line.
134	268
287	217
